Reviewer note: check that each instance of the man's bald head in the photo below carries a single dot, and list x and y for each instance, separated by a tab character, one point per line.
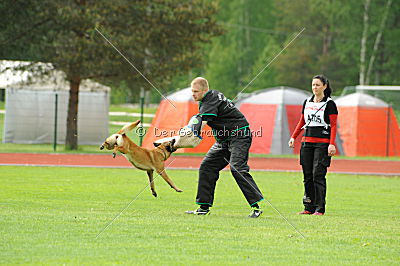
199	88
200	82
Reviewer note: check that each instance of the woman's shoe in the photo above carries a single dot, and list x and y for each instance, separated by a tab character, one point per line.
305	212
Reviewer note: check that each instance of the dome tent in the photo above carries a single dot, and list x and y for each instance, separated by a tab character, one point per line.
367	126
274	114
169	120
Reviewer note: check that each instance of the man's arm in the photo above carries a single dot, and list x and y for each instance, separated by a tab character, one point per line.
196	123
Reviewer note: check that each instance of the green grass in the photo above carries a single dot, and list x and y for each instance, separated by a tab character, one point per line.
52	216
129	119
123	108
1	127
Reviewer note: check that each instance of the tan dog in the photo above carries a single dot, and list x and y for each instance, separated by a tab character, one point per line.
143	159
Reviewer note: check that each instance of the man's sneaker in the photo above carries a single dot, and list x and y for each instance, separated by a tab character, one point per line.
199	211
255	213
305	212
318	213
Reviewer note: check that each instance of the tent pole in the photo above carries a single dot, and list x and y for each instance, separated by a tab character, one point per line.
141	115
55	123
387	131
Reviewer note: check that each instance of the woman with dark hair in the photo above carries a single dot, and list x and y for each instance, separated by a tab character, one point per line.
318	119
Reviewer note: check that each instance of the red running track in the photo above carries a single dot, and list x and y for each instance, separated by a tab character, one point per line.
372	167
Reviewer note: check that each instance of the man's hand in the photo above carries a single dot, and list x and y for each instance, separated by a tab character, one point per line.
291	143
331	150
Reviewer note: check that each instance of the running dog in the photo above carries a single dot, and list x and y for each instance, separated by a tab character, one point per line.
143	159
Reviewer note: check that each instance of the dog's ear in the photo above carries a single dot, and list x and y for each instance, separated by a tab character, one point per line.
128	128
156	144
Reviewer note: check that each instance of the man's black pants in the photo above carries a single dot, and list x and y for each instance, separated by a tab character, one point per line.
315	162
236	152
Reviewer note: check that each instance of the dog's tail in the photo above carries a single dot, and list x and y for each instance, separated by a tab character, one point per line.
129	127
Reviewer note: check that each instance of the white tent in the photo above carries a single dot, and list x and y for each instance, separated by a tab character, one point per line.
274	111
31	101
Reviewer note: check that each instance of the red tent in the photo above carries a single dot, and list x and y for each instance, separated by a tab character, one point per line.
367	126
273	115
168	120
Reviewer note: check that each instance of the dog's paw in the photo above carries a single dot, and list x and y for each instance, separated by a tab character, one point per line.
114	154
154	194
178	190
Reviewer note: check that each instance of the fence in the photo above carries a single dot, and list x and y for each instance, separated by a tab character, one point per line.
30	116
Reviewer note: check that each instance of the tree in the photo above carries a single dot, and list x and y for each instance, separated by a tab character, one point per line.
233	55
161	38
364	41
316	49
387	65
330	44
377	41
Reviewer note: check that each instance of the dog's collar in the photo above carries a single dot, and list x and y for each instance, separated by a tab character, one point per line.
165	155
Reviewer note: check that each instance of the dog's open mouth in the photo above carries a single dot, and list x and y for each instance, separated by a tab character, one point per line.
106	145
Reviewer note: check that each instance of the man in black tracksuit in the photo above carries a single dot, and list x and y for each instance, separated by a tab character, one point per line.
233	135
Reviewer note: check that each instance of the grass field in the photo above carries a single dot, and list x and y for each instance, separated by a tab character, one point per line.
118	108
52	216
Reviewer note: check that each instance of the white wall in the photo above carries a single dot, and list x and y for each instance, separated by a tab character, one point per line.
29	116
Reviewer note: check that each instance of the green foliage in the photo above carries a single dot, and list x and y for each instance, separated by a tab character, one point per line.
387	65
267	76
52	216
330	44
233	55
123	108
120	94
161	38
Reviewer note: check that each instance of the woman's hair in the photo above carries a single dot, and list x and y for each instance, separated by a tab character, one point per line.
325	81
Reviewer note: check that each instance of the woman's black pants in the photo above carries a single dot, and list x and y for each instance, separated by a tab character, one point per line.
315	161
